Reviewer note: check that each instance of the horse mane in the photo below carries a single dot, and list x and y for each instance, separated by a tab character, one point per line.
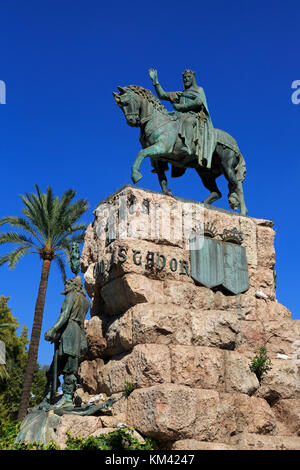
148	96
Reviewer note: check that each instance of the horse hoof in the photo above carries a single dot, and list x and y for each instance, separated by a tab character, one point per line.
136	176
244	212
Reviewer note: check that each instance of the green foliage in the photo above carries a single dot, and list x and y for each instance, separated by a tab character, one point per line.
129	387
121	439
16	357
8	434
261	363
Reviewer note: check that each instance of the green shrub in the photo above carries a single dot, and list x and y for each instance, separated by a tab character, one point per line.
261	363
8	434
129	387
121	439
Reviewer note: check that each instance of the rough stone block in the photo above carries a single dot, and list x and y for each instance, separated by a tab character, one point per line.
208	423
131	289
193	444
94	335
89	374
198	367
146	365
265	247
165	412
161	324
214	328
241	413
238	376
78	426
288	413
281	382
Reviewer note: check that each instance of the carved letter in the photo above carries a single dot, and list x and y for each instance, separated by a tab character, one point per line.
150	259
139	261
184	268
173	264
122	254
161	261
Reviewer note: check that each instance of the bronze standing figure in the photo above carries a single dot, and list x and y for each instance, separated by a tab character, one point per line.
70	343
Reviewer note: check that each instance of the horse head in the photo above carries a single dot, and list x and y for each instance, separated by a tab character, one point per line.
129	102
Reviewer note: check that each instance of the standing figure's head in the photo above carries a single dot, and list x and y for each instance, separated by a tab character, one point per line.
74	284
189	79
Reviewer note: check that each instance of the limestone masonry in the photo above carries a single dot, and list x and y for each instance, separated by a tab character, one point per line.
186	348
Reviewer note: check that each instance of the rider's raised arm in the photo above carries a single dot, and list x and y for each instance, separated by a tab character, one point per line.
161	93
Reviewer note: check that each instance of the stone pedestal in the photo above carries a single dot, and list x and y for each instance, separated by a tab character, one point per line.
187	348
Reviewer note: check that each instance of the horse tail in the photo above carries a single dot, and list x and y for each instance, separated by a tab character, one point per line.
240	171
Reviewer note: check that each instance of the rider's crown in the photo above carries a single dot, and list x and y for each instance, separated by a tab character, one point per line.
188	71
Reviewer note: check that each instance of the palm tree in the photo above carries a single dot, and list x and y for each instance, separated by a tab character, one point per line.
49	228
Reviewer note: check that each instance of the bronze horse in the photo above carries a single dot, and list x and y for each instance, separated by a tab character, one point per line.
160	141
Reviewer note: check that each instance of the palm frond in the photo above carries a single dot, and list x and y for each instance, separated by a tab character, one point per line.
20	222
19	238
41	202
79	238
33	212
61	266
64	204
51	223
68	217
14	256
76	210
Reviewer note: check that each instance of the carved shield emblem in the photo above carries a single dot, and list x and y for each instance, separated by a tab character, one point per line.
216	263
206	260
236	277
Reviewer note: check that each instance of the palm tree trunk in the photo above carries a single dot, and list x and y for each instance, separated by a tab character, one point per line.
34	341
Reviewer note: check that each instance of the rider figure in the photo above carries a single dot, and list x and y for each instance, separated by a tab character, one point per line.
195	123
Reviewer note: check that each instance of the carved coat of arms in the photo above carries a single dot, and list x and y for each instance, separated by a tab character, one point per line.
217	263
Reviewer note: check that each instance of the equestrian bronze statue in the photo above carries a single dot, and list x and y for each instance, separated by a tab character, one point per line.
185	138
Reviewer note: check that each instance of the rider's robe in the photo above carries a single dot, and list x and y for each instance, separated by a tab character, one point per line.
204	137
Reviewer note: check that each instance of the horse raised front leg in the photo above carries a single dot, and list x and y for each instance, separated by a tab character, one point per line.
152	151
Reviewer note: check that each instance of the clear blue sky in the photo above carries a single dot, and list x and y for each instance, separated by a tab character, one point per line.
61	60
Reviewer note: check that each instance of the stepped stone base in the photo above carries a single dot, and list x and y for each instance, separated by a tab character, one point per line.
186	348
